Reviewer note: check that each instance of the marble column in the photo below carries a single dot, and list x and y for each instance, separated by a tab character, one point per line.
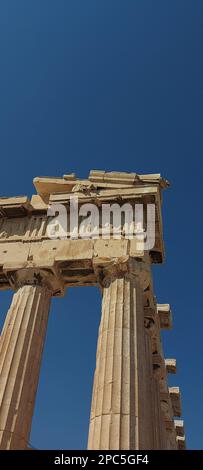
121	412
21	349
158	421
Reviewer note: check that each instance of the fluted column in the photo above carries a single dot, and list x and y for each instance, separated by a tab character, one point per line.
21	349
121	412
154	371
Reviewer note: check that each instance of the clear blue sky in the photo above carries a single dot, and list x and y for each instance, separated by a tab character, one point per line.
114	85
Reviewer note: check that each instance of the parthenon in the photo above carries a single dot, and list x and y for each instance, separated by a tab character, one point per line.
132	405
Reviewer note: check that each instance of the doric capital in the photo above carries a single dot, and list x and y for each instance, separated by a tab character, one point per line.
125	266
165	316
37	277
179	427
170	366
175	397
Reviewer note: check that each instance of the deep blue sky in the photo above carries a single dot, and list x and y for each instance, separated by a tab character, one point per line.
114	85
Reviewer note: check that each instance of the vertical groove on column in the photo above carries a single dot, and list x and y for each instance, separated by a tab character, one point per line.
120	410
125	367
112	378
20	357
132	372
127	379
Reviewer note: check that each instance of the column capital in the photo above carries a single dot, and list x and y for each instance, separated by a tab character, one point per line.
37	277
126	266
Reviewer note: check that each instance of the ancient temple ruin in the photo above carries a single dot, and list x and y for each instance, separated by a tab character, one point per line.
132	405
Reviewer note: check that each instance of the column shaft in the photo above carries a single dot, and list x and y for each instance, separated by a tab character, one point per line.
21	349
121	413
159	425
